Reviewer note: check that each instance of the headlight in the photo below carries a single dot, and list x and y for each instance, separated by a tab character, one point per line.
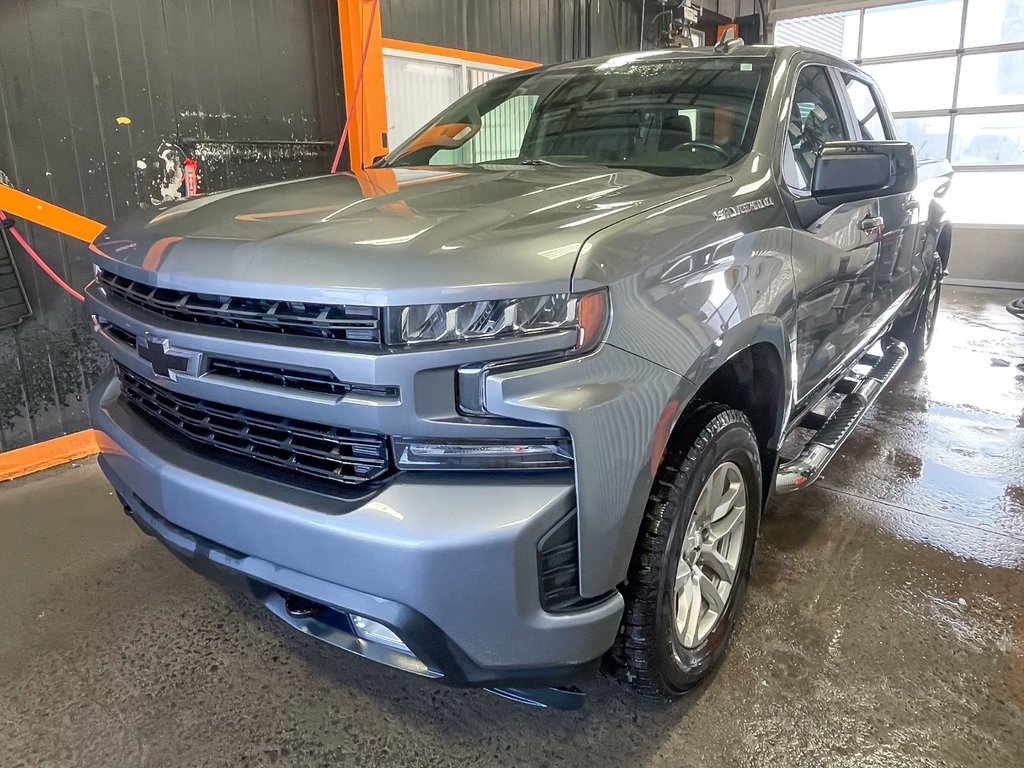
484	320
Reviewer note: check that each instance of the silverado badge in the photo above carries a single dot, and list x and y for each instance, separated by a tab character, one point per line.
732	211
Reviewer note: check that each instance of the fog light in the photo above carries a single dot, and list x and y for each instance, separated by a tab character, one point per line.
375	632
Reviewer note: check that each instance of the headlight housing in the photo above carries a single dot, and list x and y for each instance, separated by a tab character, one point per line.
495	319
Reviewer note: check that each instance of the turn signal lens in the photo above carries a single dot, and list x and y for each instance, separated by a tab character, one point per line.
464	454
593	319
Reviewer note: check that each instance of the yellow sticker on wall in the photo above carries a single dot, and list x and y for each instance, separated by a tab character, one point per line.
124	120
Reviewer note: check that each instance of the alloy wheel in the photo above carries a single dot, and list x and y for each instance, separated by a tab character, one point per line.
710	555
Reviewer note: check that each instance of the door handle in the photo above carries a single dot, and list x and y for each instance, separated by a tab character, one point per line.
871	224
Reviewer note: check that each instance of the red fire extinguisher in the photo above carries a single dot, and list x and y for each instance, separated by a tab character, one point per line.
191	173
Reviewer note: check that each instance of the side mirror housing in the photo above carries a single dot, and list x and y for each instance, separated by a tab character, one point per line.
857	170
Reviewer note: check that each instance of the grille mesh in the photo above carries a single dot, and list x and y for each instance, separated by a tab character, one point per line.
329	321
330	453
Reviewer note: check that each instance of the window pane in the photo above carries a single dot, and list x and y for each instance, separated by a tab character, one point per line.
995	139
994	21
910	86
932	25
814	120
929	135
865	110
500	137
985	198
834	33
992	80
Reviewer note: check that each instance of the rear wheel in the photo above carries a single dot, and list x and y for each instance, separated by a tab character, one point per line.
917	330
692	562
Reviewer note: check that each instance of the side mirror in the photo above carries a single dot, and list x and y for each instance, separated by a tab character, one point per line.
857	170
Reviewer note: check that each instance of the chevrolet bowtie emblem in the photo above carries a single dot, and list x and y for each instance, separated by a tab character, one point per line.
165	359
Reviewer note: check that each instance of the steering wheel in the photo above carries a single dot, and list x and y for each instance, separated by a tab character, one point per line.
705	145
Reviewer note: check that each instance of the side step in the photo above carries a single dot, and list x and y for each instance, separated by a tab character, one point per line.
808	466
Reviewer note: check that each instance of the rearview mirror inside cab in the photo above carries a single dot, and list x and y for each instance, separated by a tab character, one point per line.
856	170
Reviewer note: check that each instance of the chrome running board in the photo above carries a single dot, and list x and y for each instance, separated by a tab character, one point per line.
808	466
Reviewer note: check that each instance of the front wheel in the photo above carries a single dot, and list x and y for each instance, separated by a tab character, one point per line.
692	561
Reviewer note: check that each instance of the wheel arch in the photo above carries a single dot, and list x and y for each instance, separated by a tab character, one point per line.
944	243
752	380
747	368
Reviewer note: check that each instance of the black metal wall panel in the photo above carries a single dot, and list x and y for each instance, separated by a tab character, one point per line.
98	100
537	30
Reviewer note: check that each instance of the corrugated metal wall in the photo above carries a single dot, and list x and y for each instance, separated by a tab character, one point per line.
251	87
536	30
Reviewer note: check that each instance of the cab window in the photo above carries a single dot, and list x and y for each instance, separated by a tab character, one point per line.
815	119
865	109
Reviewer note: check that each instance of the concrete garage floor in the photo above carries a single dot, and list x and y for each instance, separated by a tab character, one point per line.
885	625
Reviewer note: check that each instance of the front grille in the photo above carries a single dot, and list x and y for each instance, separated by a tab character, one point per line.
307	380
316	450
329	321
291	378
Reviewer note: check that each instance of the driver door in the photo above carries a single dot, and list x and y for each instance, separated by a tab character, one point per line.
835	253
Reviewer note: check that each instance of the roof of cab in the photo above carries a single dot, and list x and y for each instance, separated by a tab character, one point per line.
673	54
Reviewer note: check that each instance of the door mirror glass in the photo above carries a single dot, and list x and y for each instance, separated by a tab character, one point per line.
858	170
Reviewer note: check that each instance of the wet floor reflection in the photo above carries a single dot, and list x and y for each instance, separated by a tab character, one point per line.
946	443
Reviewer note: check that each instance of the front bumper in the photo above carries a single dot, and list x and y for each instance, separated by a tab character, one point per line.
448	562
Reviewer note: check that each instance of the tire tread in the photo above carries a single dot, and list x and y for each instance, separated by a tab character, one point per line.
632	659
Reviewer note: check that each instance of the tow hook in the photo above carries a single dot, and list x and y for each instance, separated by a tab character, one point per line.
300	607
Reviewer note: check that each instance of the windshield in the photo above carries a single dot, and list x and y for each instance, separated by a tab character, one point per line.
678	115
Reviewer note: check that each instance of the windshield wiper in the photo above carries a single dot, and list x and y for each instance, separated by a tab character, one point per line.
541	161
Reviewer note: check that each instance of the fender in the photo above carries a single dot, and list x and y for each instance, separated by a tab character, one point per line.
761	331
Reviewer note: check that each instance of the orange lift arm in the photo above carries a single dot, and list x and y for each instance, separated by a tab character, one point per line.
46	214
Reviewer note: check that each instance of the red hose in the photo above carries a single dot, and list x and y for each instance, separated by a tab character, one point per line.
42	264
358	86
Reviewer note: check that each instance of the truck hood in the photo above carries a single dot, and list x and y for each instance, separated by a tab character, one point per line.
387	236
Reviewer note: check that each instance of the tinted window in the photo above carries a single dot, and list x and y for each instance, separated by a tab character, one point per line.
865	109
814	120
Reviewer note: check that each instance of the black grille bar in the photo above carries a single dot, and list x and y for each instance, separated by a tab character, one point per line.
322	381
330	453
292	378
330	321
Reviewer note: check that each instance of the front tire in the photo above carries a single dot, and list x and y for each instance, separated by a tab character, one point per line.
692	561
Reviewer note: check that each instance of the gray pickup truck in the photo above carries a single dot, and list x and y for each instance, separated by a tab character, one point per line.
511	403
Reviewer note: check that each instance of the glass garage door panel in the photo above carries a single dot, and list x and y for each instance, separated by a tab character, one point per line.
931	25
992	22
911	86
992	79
929	135
995	139
834	33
